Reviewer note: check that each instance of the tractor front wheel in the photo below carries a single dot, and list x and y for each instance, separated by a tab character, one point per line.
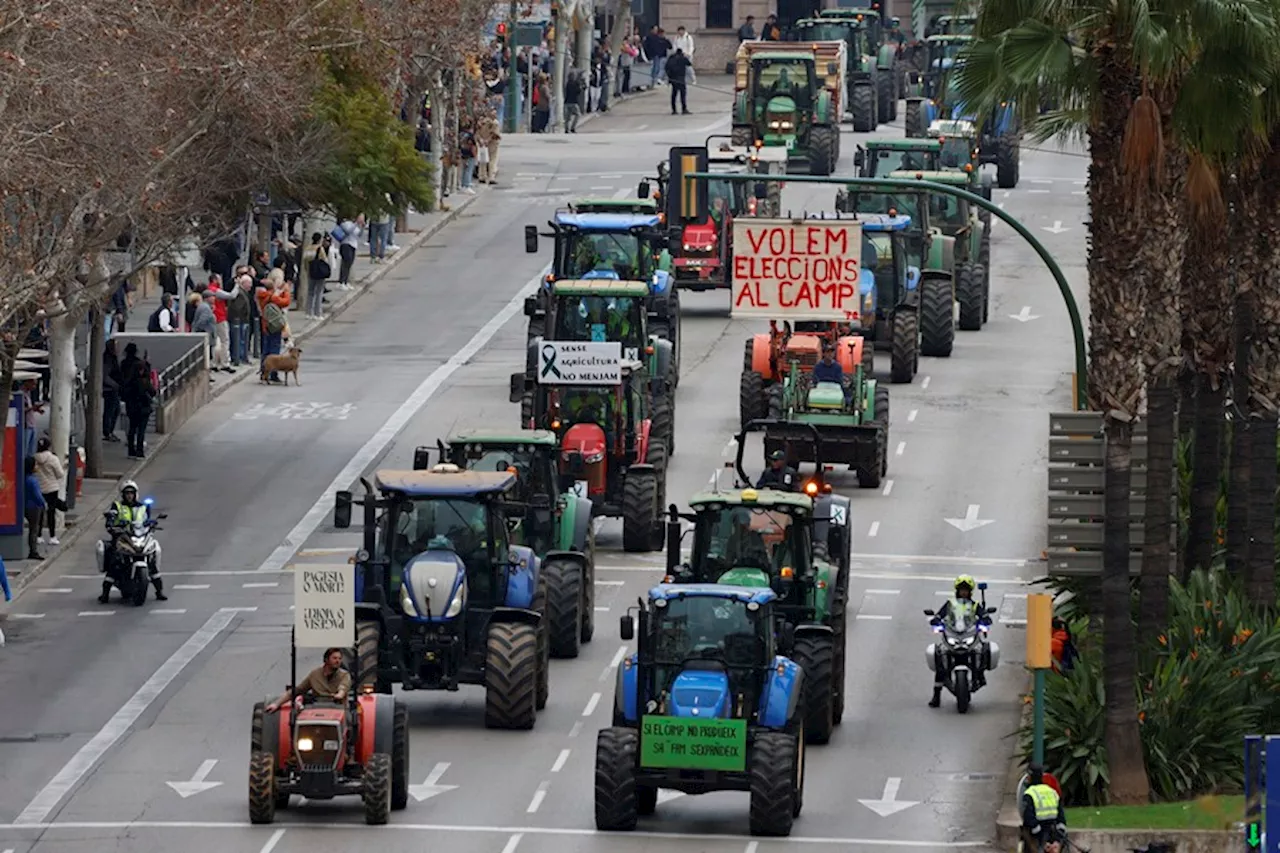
816	657
937	317
969	295
262	788
863	107
543	689
773	768
743	136
751	397
1008	167
663	421
616	793
375	789
639	510
914	119
905	347
399	756
823	149
511	676
564	600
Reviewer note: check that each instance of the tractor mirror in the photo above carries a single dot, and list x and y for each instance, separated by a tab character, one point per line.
859	157
530	306
626	628
832	69
643	190
761	191
674	535
342	510
531	239
787	637
421	458
517	387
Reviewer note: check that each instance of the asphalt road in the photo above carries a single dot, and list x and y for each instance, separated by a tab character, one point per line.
104	706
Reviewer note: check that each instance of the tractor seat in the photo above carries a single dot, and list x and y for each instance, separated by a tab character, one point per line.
826	395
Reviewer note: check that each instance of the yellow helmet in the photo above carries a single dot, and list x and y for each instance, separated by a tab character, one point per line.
966	580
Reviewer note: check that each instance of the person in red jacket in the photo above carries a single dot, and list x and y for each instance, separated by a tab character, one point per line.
272	301
217	299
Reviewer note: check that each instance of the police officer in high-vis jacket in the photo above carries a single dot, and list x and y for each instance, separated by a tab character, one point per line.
1042	817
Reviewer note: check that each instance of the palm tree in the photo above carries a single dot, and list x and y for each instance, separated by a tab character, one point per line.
1115	71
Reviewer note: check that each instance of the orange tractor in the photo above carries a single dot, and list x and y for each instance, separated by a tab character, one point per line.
767	358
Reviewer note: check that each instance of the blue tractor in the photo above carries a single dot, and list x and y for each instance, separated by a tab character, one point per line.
705	704
625	246
443	598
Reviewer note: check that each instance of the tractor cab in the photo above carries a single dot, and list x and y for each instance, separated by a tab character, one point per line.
956	25
881	156
785	86
750	538
859	31
959	141
636	206
613	245
601	310
529	455
946	213
929	97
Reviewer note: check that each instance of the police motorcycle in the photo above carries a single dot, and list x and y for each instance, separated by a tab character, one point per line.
136	562
963	651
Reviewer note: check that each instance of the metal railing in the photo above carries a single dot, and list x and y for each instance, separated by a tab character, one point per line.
173	377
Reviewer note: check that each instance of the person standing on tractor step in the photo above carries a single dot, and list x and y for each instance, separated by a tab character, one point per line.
678	66
327	681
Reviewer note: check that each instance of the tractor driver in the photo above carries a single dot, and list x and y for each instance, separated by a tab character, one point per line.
329	681
779	475
586	407
619	319
829	370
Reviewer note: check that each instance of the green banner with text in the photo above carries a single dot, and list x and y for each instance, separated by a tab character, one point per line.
692	744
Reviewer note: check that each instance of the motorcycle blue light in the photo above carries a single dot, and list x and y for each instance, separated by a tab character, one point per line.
148	501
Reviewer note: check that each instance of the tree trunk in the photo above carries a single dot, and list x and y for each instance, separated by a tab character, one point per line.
558	67
1241	434
92	439
1156	567
585	37
1206	472
62	379
438	100
1262	511
1186	399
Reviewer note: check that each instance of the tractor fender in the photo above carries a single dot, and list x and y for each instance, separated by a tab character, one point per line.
660	290
580	509
741	114
760	351
377	721
642	442
662	349
576	557
942	253
522	579
271	729
781	695
284	735
849	353
813	629
624	693
822	108
519	615
913	278
885	57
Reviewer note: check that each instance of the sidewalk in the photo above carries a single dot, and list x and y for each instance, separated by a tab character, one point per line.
97	494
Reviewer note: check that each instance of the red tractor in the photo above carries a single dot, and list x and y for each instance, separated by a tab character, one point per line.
610	450
321	750
767	357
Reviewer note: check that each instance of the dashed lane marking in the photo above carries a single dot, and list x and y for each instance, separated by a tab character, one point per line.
538	796
26	615
912	415
576	730
613	665
560	760
875	528
902	446
266	585
888	487
272	841
176	611
58	590
591	705
887	576
940	558
882	592
875	617
610	583
96	613
512	843
190	586
924	383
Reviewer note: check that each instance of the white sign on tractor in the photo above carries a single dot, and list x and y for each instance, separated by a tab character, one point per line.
787	269
580	363
324	614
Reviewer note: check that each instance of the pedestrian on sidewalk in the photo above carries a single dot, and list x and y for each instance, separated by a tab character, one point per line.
217	298
348	247
747	32
239	314
272	301
33	508
51	475
110	391
118	308
627	60
467	154
137	394
495	140
379	236
572	100
163	319
30	408
677	67
541	103
318	272
656	48
203	321
684	43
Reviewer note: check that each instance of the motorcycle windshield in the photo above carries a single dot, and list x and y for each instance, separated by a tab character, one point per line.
960	624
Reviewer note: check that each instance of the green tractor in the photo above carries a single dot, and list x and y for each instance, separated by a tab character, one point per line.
956	219
929	249
556	523
871	93
878	157
956	25
929	95
962	152
782	99
798	545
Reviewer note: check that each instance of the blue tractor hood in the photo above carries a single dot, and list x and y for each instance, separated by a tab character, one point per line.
434	581
700	693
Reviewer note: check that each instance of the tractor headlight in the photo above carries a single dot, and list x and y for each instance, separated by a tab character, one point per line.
594	458
783	125
305	744
406	601
455	606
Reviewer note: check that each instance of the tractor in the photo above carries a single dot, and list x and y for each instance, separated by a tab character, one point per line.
783	101
884	34
766	357
929	250
971	253
322	749
704	704
443	598
879	157
870	88
961	152
956	25
625	246
796	544
929	97
556	525
610	449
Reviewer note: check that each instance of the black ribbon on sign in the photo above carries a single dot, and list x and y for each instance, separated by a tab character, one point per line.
549	355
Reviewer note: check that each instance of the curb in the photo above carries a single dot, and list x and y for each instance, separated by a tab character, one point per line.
73	533
1008	822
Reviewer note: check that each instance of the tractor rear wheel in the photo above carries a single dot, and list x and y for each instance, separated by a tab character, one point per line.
776	406
589	611
863	107
639	510
969	295
542	691
663	420
839	621
748	353
984	258
913	121
1008	167
937	317
886	103
364	662
816	656
564	604
882	420
616	793
823	143
751	397
511	676
868	359
657	457
905	345
262	788
375	789
772	767
399	756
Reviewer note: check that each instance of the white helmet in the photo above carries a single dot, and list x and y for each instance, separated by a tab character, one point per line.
129	484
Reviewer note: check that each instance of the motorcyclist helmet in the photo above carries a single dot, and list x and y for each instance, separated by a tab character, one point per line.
129	492
965	585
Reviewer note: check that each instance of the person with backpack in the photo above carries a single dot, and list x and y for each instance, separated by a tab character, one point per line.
272	302
163	319
318	272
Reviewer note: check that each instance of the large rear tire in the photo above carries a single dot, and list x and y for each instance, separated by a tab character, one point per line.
969	295
743	135
616	796
1008	167
823	142
262	788
816	656
589	611
639	510
937	317
663	420
886	103
772	765
751	397
363	660
375	789
913	121
863	106
399	756
564	603
510	677
882	419
542	690
905	347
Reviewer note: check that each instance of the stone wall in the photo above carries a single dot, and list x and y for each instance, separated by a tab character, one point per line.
184	402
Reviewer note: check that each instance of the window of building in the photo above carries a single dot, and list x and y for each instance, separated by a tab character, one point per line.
719	14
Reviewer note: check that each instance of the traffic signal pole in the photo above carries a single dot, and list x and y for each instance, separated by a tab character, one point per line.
915	185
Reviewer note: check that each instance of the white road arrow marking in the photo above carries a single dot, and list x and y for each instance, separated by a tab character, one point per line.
970	520
665	796
1024	315
889	804
197	784
1056	229
430	788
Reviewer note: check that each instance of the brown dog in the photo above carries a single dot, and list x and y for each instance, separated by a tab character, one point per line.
286	363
